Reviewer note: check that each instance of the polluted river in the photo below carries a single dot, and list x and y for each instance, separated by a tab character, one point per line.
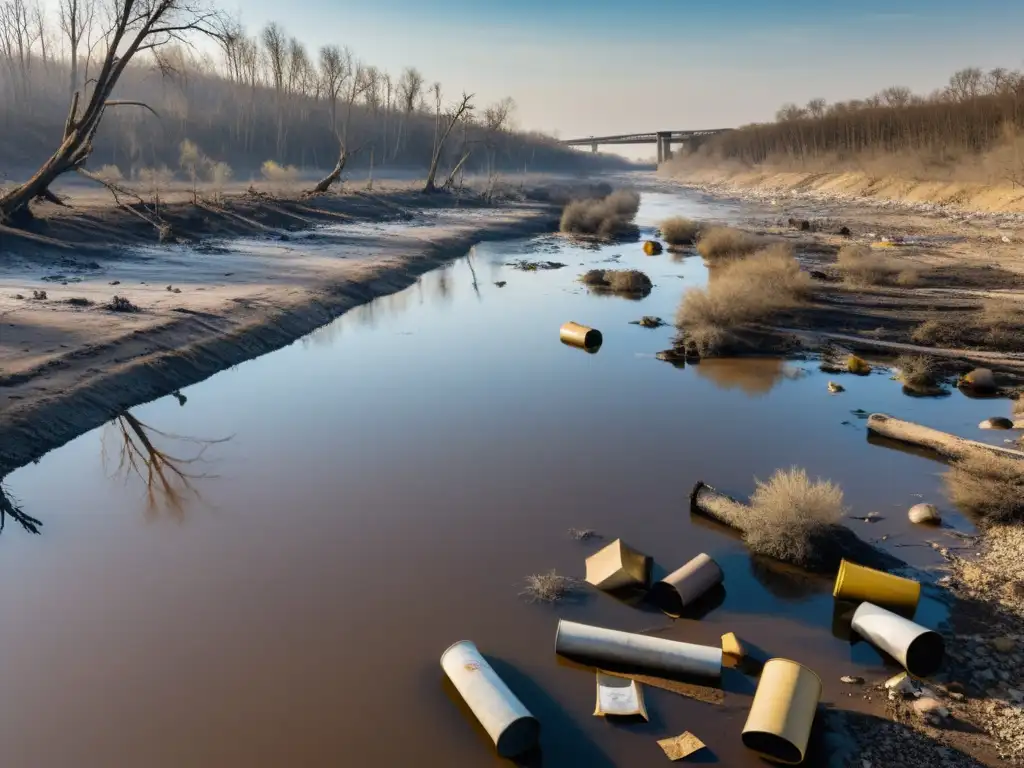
265	569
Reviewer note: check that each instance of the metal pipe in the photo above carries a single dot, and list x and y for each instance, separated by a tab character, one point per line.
509	724
860	583
580	336
685	585
918	649
597	644
781	715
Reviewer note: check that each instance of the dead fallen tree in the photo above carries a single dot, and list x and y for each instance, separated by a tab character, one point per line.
942	443
820	550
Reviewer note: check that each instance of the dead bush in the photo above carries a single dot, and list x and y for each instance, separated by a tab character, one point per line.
78	301
121	304
548	587
679	230
789	512
999	324
109	173
626	281
743	291
918	372
605	217
862	267
988	485
727	243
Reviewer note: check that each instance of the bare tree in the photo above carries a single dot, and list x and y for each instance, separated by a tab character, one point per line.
816	107
276	47
9	507
410	89
355	86
966	84
137	26
789	112
75	18
335	69
896	96
464	107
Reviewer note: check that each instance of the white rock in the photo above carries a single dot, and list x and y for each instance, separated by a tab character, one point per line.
996	422
924	513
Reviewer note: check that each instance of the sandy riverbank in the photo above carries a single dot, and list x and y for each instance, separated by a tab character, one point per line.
859	187
247	276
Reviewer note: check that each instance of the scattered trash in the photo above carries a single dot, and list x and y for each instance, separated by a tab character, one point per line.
779	724
674	356
509	724
857	582
870	517
930	710
732	648
618	565
619	696
582	534
852	680
577	335
656	654
996	422
980	380
682	746
835	388
901	685
652	247
1006	239
702	693
924	513
685	585
918	649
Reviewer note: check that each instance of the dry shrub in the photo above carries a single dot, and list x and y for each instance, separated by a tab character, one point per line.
273	171
860	267
548	587
999	325
858	365
679	230
989	485
605	217
918	371
110	174
121	304
631	281
744	291
941	333
789	512
727	243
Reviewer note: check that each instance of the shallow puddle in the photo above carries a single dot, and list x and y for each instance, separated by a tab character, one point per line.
350	506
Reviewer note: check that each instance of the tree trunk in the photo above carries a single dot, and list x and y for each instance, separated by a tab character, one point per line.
458	166
327	181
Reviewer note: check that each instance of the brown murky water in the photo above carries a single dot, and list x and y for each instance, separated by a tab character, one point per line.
380	490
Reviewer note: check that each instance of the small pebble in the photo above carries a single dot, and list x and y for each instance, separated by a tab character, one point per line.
996	422
851	680
924	513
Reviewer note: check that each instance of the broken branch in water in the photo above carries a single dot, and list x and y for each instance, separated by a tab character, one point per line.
11	508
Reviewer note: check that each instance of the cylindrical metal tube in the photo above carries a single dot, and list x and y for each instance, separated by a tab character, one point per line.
859	583
685	585
707	501
918	649
509	724
580	336
597	644
781	715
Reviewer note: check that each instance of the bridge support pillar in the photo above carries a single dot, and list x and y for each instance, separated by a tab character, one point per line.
593	147
664	146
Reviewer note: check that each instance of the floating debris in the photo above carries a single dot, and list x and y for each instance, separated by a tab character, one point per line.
548	587
682	746
835	388
619	697
500	283
647	321
525	265
577	335
582	534
652	248
618	565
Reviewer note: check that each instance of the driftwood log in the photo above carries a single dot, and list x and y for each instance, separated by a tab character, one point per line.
942	443
828	545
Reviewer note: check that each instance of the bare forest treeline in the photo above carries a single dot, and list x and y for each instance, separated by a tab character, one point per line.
977	112
246	98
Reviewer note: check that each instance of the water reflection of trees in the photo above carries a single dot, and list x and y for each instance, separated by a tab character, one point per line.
753	375
11	508
169	478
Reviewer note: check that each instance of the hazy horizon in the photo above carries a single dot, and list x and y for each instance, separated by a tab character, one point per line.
577	69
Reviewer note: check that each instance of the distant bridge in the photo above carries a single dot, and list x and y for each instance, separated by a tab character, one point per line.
664	140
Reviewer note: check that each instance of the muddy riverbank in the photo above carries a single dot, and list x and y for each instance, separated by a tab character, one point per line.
248	276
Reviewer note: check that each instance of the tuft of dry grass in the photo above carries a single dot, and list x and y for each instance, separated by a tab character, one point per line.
628	281
862	267
858	365
918	372
605	217
679	230
274	171
78	301
743	291
788	512
548	587
989	485
727	243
